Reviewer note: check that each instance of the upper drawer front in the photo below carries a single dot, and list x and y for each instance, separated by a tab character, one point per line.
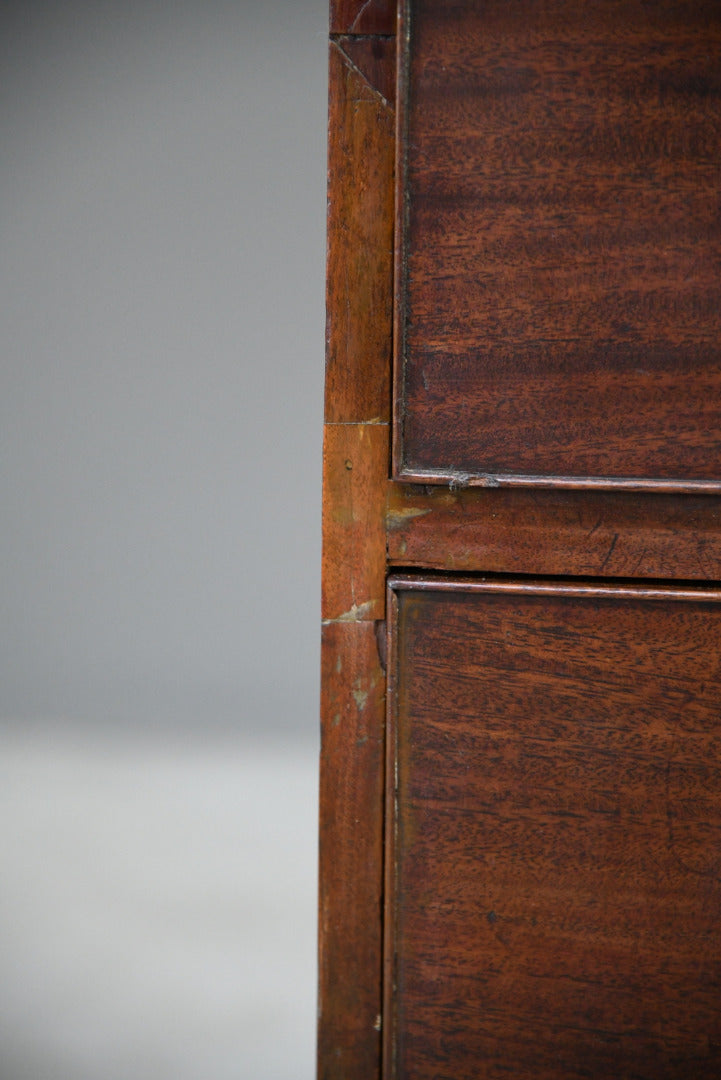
559	249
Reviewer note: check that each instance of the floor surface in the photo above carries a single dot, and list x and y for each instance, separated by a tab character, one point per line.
157	907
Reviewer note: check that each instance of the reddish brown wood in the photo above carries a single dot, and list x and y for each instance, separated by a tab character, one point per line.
554	887
351	852
355	465
559	305
360	232
363	16
375	58
553	890
355	472
555	532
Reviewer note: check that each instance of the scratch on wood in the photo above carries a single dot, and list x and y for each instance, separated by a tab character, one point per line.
460	480
360	15
360	696
373	89
355	613
397	517
609	553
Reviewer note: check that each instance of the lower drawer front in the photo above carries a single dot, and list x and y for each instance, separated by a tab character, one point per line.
553	893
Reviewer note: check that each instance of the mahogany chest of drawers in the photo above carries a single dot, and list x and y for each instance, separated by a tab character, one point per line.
520	827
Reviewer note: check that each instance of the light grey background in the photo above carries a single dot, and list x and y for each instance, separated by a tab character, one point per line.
162	200
162	204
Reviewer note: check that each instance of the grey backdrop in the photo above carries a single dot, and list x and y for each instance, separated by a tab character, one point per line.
162	202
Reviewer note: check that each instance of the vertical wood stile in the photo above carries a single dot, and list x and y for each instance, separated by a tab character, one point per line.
355	471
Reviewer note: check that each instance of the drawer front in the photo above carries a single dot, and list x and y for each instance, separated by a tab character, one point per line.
553	832
559	259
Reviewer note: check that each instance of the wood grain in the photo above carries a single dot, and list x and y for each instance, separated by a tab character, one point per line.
553	883
560	267
351	851
355	474
360	237
375	59
363	16
355	467
596	533
555	879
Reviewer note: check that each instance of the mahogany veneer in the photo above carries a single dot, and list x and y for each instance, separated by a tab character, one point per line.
554	831
559	256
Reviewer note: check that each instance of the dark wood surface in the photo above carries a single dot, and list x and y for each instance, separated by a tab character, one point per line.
598	533
374	57
554	887
363	17
552	891
351	852
559	304
359	291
